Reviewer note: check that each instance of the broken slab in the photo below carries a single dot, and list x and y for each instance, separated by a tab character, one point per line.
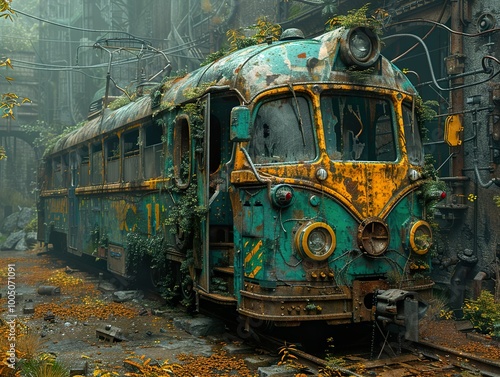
29	308
123	296
110	334
200	326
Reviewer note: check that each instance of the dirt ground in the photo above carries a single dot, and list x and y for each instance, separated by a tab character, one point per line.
446	333
84	329
67	325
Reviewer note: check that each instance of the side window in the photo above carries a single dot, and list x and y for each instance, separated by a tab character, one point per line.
83	156
131	156
112	159
414	146
153	151
57	172
65	170
96	167
182	156
385	148
73	168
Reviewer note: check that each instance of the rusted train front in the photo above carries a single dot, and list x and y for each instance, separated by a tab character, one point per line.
327	188
288	178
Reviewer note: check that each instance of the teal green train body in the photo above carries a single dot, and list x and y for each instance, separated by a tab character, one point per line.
285	180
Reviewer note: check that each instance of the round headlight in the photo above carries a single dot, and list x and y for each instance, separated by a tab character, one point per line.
316	241
359	47
420	237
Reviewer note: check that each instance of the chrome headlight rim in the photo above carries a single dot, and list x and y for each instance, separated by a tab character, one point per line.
309	241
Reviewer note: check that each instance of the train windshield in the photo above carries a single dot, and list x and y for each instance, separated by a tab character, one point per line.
283	132
414	146
358	127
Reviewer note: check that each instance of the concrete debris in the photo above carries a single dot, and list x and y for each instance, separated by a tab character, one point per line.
110	334
123	296
29	308
200	326
49	290
79	369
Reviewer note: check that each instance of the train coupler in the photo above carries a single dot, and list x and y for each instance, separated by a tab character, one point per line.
400	311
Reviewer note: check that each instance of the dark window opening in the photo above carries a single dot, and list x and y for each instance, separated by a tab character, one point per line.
153	151
112	159
83	156
131	161
131	143
96	166
215	144
182	157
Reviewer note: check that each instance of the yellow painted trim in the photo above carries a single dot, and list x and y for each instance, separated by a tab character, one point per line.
254	251
254	272
303	235
413	230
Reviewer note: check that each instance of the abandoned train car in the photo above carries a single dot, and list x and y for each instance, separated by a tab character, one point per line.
286	179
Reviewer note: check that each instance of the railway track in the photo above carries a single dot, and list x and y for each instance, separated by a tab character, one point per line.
421	359
407	359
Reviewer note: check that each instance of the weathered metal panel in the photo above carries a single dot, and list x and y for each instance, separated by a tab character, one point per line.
257	68
108	121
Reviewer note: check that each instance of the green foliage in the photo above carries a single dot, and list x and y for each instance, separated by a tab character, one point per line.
32	225
21	34
43	367
139	246
263	29
119	102
47	135
496	199
359	76
214	56
429	169
424	113
3	155
14	198
198	90
483	313
186	212
356	18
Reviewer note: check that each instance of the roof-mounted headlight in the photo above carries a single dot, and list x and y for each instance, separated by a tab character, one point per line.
360	47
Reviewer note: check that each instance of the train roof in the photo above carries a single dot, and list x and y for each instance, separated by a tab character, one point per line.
250	71
254	69
109	121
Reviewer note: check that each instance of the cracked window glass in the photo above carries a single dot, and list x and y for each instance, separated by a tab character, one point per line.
413	139
359	128
283	132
